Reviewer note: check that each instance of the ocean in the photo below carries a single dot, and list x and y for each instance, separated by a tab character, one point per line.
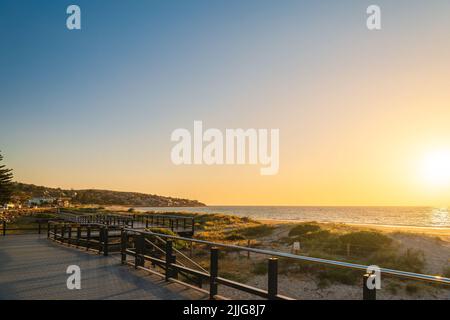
399	216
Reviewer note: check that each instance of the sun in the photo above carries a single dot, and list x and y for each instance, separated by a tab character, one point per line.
436	168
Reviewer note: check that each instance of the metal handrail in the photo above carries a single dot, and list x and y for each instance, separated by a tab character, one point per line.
392	272
182	255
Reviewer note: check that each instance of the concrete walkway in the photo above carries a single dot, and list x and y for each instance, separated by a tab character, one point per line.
33	267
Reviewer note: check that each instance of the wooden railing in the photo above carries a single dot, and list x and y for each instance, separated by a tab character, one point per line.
92	236
182	225
158	254
108	219
38	227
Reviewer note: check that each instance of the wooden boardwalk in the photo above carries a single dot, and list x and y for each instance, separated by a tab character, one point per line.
32	267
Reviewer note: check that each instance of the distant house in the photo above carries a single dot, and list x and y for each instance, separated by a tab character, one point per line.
7	206
40	201
63	202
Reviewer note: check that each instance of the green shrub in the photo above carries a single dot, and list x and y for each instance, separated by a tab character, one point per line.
162	231
364	242
219	221
411	288
234	237
392	288
234	276
256	231
260	268
303	229
178	244
411	260
343	276
86	210
446	272
319	242
385	258
45	216
322	239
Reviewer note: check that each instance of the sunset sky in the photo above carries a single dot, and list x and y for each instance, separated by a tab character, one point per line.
364	116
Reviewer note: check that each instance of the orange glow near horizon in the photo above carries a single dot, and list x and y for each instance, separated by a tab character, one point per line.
363	117
392	152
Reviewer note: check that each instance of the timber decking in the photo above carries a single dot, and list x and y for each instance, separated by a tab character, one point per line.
31	267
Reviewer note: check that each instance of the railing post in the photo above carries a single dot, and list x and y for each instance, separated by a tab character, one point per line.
4	227
146	223
78	235
173	272
193	225
88	237
214	272
139	244
369	294
105	241
69	236
48	229
63	232
272	278
100	239
168	258
123	246
55	230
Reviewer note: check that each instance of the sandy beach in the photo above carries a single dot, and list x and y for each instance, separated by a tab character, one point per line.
433	231
433	243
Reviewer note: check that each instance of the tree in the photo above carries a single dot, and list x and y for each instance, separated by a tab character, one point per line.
6	184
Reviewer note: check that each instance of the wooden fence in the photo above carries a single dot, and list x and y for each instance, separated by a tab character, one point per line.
162	254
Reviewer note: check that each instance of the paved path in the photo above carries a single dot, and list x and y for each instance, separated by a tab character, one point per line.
32	267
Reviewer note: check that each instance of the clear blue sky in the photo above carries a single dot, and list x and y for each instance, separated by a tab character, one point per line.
95	108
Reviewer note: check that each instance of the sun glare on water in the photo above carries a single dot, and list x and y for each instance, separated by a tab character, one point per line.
436	168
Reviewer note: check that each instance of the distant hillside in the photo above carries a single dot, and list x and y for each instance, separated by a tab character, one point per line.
24	192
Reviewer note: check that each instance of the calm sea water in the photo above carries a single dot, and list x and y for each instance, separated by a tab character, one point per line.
404	216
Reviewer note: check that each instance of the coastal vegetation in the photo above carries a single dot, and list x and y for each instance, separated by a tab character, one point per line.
329	241
27	223
23	192
446	272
